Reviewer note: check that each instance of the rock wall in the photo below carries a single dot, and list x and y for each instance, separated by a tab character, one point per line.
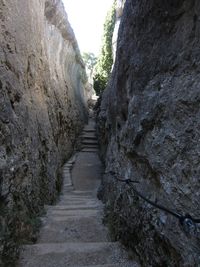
149	130
119	12
42	110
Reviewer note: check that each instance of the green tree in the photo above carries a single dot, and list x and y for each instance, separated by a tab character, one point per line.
90	60
105	60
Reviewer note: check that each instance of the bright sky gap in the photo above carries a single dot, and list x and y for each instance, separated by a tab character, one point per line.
87	18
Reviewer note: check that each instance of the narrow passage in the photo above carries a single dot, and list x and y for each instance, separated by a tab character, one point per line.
72	232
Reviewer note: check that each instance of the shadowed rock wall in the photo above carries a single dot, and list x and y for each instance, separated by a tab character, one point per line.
42	109
150	130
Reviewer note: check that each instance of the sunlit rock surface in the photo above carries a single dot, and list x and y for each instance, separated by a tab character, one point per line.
150	130
119	12
42	109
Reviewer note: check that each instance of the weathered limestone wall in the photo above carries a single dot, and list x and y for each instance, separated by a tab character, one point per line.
150	130
42	109
119	12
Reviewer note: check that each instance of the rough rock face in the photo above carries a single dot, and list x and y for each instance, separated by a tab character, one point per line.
42	109
149	129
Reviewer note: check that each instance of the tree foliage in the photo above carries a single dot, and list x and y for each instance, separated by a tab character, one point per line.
105	60
90	60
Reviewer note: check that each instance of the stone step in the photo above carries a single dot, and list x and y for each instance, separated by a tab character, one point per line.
89	206
67	188
93	126
89	146
85	131
71	254
66	202
77	199
79	196
72	197
67	182
82	193
67	165
87	229
66	171
71	161
87	150
75	207
125	264
89	143
66	178
89	140
95	150
66	175
90	150
66	218
89	136
74	200
74	212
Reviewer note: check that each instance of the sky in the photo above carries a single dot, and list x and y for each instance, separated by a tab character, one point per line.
86	18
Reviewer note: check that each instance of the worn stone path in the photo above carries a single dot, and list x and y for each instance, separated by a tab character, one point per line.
72	232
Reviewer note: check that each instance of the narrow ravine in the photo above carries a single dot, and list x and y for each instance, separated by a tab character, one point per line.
145	165
72	233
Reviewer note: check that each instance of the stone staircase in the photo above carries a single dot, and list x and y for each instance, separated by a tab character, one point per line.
89	139
72	232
